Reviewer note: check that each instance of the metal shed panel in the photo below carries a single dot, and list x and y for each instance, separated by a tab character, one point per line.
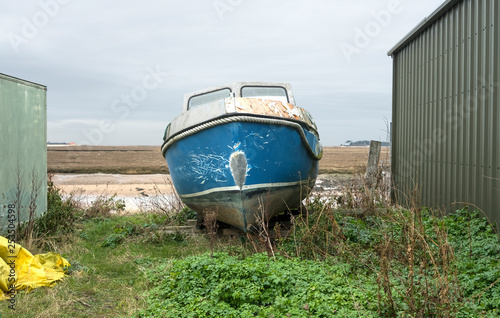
23	142
446	119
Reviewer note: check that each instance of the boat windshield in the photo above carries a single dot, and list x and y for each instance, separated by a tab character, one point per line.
265	92
216	97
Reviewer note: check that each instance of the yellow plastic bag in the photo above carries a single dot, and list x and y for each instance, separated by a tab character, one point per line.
20	270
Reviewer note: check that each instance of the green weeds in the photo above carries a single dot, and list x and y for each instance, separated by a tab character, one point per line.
60	218
225	286
398	263
383	263
109	254
424	265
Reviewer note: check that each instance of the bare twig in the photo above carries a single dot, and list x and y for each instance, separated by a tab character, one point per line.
211	225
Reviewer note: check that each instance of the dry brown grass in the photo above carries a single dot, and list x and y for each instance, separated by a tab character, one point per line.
348	159
148	159
106	159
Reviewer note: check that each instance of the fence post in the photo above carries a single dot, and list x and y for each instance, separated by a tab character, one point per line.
373	161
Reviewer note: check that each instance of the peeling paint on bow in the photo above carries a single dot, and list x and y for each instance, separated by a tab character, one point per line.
269	108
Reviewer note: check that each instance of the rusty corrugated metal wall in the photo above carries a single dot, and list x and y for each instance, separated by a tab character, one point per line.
446	109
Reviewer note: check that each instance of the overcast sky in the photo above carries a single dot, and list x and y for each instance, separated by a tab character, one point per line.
116	71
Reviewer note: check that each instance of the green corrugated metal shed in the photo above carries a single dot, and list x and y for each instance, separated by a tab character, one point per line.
23	147
446	116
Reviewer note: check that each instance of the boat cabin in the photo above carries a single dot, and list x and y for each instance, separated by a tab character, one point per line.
216	95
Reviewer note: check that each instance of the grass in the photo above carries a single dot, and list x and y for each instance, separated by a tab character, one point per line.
103	281
386	262
353	275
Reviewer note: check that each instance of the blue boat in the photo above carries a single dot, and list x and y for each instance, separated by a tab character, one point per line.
244	150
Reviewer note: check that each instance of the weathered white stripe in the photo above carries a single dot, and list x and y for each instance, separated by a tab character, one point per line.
245	187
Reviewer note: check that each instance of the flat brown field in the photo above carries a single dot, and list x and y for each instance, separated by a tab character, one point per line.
148	159
106	159
349	159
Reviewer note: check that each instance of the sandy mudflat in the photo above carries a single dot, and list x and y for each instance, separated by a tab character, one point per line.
147	184
134	190
110	184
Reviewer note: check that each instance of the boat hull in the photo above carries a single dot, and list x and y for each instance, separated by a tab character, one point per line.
244	170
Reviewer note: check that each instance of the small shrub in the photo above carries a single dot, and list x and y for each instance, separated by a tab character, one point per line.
183	216
121	233
160	237
102	206
61	215
148	233
178	218
154	220
113	240
60	218
164	203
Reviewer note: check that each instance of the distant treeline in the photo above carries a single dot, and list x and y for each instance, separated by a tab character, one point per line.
358	143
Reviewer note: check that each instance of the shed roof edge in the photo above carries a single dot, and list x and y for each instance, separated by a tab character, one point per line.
423	25
22	81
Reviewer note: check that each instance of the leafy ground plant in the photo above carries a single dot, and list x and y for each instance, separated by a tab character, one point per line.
226	286
397	264
425	265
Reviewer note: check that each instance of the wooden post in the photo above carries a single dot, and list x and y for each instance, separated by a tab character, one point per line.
372	167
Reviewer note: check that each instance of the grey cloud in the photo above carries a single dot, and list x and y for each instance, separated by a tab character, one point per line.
90	53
